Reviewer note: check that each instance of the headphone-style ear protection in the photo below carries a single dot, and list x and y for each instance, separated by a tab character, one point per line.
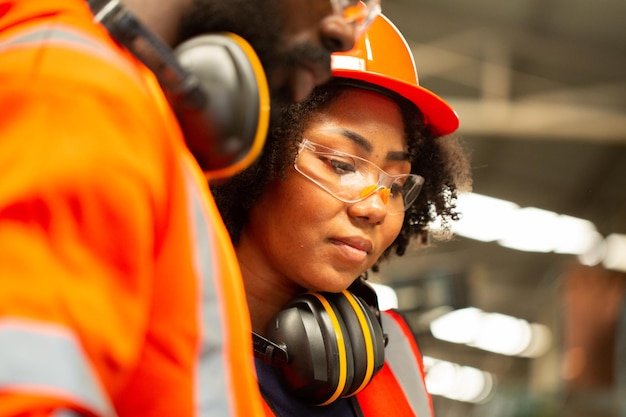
324	346
215	84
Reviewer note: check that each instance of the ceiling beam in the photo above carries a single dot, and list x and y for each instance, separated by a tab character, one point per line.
541	120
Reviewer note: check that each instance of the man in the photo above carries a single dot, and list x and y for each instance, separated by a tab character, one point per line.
120	294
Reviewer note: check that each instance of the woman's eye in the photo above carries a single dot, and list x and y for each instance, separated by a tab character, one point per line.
396	190
340	166
400	187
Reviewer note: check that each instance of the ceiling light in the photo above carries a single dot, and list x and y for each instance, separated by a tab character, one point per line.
460	383
387	297
615	256
531	229
483	218
493	332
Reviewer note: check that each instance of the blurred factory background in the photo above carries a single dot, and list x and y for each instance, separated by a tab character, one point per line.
519	314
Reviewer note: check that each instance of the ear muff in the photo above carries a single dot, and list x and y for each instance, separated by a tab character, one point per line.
214	83
334	345
226	134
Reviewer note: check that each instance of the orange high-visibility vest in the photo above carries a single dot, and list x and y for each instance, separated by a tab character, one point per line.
120	293
399	388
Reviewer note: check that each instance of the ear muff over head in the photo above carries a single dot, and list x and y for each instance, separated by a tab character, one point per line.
334	344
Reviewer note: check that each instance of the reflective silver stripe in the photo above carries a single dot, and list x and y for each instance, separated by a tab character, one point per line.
211	389
408	373
43	33
48	34
38	357
64	413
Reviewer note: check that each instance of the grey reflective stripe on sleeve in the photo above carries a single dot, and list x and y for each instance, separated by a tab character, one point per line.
42	358
47	34
42	34
64	413
405	366
211	383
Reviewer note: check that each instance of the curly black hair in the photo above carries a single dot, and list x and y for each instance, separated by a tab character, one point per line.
442	161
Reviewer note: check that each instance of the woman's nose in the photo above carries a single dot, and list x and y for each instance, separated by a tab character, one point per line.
373	208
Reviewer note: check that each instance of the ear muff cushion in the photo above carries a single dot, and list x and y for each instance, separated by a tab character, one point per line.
320	360
366	338
228	133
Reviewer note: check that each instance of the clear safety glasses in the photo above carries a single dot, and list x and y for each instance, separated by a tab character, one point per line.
350	178
361	13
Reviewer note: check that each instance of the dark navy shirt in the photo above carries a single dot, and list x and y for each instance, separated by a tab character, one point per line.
286	405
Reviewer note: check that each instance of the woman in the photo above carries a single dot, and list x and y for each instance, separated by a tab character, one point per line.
351	176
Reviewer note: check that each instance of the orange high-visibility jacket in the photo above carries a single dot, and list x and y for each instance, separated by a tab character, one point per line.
399	388
120	293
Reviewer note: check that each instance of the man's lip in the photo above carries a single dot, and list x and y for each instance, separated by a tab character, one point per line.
355	242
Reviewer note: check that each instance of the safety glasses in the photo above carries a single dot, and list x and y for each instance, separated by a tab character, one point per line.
359	13
350	178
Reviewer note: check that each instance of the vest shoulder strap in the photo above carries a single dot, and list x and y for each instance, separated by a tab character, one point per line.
399	389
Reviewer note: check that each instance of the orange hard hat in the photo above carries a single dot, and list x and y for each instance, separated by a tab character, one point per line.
383	58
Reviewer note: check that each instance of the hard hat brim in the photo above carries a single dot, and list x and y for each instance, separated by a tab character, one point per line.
438	114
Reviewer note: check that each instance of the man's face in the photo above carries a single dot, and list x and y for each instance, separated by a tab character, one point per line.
293	38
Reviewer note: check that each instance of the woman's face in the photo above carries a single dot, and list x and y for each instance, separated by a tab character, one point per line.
300	235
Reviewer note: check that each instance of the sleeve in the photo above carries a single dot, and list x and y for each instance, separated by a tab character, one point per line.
79	199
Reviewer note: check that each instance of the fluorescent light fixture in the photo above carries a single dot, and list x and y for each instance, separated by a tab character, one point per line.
483	218
528	229
492	332
575	236
615	256
457	382
531	229
502	334
387	297
458	326
540	341
595	255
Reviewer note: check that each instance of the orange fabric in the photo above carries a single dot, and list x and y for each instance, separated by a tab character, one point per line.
383	397
268	410
107	252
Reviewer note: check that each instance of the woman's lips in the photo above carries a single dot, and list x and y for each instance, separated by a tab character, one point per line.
352	248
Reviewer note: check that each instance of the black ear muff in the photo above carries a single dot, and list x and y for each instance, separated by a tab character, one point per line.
214	83
334	346
236	113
